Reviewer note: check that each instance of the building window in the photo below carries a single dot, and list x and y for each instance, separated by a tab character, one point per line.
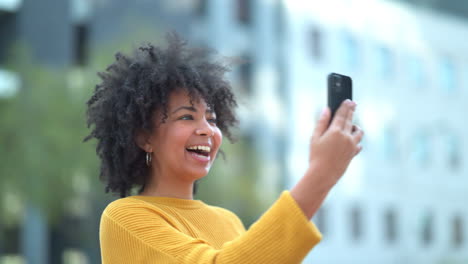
457	232
421	150
350	50
81	32
201	8
385	62
245	75
427	229
8	34
447	75
280	20
315	39
390	226
389	143
356	223
243	11
415	71
453	152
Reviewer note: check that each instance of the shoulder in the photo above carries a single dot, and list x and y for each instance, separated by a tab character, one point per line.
223	211
228	215
129	208
122	203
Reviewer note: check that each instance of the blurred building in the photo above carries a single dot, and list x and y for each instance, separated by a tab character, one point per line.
402	200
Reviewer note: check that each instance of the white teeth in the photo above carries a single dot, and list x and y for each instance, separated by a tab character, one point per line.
202	148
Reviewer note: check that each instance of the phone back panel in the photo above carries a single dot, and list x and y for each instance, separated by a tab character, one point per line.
339	89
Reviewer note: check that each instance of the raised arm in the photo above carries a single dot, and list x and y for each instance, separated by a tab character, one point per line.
331	150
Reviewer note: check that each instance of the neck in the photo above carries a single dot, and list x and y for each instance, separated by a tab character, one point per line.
168	186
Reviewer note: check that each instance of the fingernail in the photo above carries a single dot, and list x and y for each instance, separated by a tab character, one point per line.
323	111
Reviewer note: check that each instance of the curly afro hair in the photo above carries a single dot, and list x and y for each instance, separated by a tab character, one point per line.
133	87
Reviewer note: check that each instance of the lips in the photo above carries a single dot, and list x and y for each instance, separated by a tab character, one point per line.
204	159
200	152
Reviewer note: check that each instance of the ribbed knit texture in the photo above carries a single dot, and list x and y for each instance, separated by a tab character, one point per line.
143	229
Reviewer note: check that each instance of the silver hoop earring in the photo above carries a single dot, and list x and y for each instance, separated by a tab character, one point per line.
148	159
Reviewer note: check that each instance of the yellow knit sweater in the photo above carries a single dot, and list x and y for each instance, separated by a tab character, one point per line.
144	229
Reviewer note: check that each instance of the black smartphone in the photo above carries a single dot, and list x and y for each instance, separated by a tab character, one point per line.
340	88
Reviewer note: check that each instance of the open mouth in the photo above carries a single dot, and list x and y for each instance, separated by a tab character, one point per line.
199	150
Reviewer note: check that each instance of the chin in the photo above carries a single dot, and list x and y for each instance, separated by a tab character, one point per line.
198	173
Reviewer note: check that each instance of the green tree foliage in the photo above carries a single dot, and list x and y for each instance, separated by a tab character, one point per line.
41	137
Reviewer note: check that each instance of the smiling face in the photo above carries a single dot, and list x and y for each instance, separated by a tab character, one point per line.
186	144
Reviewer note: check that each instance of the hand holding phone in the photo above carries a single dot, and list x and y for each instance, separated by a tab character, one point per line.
332	147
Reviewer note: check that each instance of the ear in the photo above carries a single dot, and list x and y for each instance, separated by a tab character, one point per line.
143	140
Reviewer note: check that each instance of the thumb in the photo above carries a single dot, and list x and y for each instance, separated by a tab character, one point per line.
322	123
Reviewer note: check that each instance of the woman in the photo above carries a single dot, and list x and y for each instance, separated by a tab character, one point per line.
158	118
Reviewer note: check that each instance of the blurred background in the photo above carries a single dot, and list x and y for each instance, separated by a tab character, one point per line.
402	200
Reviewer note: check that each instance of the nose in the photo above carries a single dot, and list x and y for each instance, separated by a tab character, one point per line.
205	129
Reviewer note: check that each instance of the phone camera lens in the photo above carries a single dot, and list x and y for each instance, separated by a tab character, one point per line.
338	86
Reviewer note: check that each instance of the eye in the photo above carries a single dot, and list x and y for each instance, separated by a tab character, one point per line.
212	120
186	117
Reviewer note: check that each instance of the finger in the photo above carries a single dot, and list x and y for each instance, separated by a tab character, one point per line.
322	123
348	127
358	134
358	150
341	114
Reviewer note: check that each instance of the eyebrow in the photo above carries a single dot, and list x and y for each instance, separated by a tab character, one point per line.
192	109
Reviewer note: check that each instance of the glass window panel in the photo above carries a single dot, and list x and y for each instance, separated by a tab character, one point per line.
390	226
350	50
356	223
447	75
315	43
416	70
389	143
243	11
427	226
385	63
453	152
421	149
457	232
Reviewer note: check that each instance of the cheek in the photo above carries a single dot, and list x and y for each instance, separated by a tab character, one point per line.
171	140
180	135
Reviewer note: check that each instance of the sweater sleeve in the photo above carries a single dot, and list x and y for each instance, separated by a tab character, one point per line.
281	235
